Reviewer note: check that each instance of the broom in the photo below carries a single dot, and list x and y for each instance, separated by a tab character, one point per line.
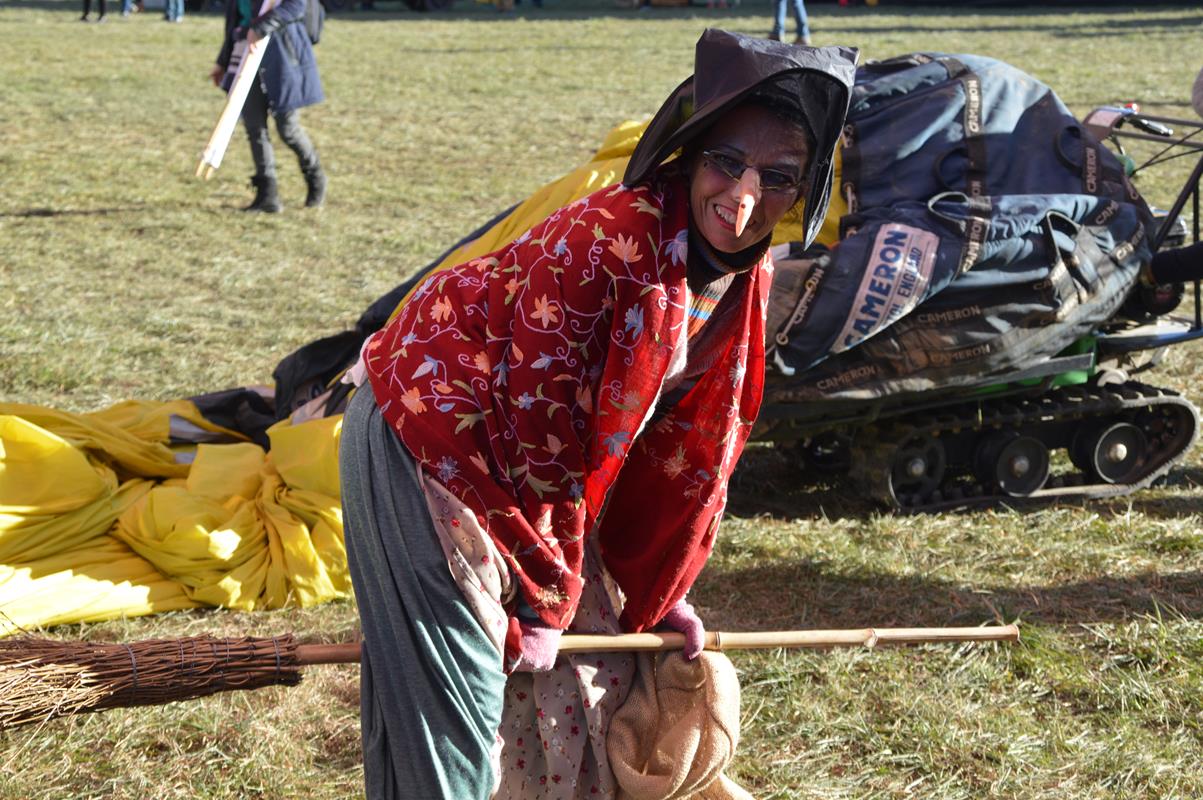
41	679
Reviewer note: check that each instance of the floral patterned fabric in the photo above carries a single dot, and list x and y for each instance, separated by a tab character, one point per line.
521	381
551	744
554	724
476	566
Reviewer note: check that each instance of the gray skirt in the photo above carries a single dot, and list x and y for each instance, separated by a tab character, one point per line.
431	683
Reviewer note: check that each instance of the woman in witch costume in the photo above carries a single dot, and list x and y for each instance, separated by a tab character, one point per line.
550	431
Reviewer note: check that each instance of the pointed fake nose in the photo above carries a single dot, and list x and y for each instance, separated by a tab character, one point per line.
749	194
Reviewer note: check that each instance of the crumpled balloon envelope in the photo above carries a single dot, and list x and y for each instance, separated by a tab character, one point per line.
98	520
249	529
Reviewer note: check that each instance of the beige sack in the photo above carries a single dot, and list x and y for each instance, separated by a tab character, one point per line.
677	730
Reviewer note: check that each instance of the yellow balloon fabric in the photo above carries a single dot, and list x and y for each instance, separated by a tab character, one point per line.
97	581
99	520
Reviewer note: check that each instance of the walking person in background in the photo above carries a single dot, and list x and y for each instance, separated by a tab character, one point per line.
288	81
88	10
799	17
173	11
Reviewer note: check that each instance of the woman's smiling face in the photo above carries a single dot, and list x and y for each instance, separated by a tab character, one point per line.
756	137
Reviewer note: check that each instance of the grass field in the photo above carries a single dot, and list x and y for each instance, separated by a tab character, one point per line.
122	276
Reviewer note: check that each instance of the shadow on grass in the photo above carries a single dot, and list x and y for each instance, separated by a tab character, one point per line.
770	482
808	596
36	213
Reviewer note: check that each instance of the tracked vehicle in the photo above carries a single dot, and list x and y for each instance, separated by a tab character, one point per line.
1082	422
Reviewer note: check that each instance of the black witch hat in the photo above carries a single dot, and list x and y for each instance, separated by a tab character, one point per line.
728	67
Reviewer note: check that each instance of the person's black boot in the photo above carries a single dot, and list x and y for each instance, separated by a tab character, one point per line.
267	195
315	180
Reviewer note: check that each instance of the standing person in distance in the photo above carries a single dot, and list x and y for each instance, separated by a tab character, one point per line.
800	18
88	10
288	81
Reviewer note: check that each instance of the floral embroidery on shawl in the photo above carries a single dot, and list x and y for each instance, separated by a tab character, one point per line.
520	381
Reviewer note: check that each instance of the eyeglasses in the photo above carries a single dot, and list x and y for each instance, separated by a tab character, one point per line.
771	180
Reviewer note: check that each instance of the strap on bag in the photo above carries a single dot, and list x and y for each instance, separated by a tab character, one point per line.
971	120
974	226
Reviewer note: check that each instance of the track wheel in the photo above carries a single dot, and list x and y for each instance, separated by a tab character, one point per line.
1014	464
1111	453
917	468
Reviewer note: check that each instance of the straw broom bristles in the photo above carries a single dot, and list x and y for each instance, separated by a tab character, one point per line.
41	679
34	692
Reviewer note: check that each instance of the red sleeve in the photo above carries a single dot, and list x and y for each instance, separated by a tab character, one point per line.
654	548
659	526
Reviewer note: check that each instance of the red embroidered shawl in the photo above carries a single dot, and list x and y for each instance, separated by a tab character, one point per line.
521	381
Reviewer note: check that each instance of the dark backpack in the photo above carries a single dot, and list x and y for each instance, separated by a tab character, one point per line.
314	19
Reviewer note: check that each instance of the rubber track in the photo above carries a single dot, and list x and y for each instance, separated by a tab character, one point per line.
877	444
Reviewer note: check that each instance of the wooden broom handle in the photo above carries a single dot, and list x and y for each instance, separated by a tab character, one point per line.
715	640
343	653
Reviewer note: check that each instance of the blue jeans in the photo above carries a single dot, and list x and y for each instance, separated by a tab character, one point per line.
799	17
174	10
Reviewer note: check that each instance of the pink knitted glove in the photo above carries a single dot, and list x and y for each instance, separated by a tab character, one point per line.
540	644
683	619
